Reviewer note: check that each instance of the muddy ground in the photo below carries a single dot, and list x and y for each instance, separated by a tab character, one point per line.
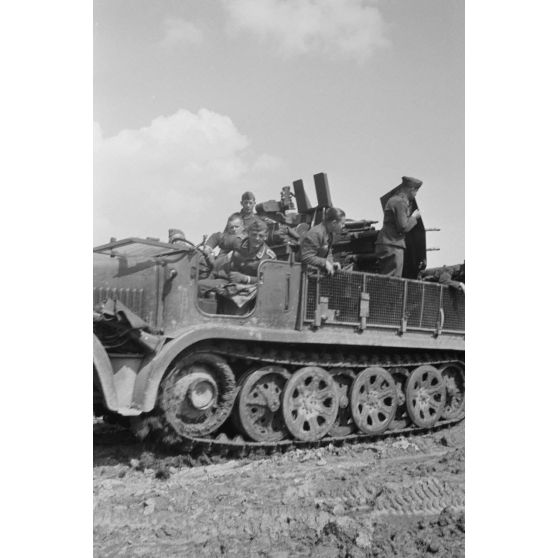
396	497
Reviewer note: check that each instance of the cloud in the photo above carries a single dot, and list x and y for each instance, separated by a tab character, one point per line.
341	28
183	171
179	32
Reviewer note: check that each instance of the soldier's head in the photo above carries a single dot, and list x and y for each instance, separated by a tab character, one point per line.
257	233
248	202
176	236
334	220
409	186
235	224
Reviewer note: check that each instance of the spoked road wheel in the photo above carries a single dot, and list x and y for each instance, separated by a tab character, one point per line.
344	423
373	400
198	394
257	407
310	403
401	419
454	378
425	395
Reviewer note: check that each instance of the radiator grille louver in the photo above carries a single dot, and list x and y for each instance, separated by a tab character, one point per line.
132	298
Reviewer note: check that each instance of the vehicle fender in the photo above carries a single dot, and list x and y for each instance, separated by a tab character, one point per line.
150	376
103	369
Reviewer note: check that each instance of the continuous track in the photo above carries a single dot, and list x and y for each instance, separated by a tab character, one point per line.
155	427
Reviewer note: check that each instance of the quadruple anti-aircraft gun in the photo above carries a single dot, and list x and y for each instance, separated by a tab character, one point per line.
316	359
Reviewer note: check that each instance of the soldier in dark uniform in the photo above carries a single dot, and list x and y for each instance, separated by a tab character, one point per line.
226	241
244	261
230	238
398	220
315	245
248	203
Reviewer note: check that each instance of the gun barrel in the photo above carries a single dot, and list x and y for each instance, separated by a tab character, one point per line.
362	224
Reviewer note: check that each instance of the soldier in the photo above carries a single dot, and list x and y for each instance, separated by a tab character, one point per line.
229	239
248	203
225	241
315	245
398	220
243	264
176	236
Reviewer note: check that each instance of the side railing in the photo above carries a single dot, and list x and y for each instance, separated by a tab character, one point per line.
368	300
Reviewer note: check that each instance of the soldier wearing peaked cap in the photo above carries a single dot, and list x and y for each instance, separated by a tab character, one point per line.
398	220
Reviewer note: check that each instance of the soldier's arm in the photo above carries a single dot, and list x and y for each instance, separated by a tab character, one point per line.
229	242
214	240
309	246
403	222
230	264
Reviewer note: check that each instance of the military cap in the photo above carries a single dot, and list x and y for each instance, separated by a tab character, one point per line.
176	235
248	196
410	181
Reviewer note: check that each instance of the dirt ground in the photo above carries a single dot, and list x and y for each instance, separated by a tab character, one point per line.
396	497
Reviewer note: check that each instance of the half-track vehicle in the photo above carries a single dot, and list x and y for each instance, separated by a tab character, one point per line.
316	359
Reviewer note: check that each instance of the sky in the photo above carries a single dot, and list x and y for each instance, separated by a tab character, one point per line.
197	101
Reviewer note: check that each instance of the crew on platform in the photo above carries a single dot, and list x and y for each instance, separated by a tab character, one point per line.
315	245
248	203
398	220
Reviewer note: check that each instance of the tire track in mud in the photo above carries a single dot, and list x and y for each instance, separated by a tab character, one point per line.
304	502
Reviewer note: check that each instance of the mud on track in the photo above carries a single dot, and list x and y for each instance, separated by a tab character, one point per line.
396	497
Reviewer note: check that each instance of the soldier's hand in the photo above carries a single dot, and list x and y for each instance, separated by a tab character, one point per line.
336	266
416	214
330	269
237	277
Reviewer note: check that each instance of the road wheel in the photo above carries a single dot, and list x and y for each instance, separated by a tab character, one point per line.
425	395
310	403
344	423
454	378
257	408
373	400
198	394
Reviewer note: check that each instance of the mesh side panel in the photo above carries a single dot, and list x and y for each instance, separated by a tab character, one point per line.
454	309
343	291
413	308
386	300
311	298
431	308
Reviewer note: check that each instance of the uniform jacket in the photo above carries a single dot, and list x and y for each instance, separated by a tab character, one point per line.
248	219
225	241
244	262
315	246
397	221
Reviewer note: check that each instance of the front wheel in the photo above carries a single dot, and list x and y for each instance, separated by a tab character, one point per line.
198	394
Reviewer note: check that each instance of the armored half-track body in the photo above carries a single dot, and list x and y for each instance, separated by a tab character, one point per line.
315	358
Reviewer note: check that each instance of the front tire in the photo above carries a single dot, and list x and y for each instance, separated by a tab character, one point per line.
198	394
